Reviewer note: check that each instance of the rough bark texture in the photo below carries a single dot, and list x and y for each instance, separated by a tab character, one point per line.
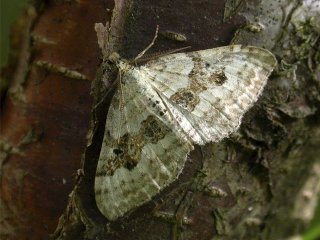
261	183
45	113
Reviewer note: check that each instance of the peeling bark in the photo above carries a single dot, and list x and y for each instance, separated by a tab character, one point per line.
261	183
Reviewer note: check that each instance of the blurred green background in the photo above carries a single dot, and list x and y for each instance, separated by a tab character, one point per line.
314	230
11	9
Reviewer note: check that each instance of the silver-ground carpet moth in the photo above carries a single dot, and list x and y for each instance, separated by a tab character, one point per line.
163	108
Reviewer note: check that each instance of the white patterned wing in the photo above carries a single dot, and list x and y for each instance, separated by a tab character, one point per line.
212	88
144	149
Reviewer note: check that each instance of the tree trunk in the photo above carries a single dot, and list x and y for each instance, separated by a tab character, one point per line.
261	183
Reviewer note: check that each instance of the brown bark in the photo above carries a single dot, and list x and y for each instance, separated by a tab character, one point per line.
258	184
45	114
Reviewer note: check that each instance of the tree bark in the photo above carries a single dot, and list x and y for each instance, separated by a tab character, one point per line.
261	183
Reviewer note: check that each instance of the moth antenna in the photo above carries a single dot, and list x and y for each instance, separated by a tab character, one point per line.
157	55
149	46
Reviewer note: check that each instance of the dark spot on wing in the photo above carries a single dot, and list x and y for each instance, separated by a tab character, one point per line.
153	129
130	165
117	151
186	99
218	77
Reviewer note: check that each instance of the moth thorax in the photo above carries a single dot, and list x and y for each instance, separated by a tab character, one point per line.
116	59
123	65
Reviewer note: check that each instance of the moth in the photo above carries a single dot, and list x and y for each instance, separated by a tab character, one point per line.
162	109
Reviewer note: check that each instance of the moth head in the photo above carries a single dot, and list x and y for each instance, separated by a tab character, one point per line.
114	57
121	63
